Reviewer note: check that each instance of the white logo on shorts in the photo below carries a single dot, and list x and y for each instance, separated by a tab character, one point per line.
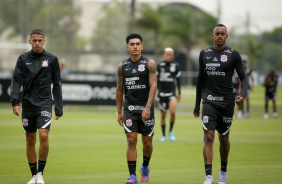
227	119
205	119
128	122
25	122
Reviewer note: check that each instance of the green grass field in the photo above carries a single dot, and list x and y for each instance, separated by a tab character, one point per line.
88	146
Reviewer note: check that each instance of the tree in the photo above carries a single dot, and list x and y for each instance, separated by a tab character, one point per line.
56	18
150	19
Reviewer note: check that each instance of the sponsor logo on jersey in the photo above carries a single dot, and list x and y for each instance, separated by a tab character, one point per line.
208	50
211	69
165	77
28	63
227	119
141	68
228	51
205	119
215	98
127	69
209	57
172	68
46	114
143	61
25	122
215	59
223	58
135	108
45	63
134	70
128	122
150	122
131	83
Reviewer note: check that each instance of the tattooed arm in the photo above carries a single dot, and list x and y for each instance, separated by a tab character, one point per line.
153	89
119	94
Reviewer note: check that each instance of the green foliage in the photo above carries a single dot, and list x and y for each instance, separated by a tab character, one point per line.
58	19
111	30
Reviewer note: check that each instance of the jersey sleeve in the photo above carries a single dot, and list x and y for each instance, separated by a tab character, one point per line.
57	88
199	82
16	83
241	73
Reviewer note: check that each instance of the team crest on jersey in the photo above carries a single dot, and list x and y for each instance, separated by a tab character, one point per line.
172	68
45	63
205	119
25	122
141	68
223	58
128	122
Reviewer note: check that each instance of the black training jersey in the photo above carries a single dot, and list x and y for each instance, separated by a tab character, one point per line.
36	72
249	72
168	75
136	85
270	88
214	84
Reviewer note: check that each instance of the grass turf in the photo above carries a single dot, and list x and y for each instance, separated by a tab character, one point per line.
88	146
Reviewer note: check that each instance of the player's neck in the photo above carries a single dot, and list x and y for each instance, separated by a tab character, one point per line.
218	47
135	58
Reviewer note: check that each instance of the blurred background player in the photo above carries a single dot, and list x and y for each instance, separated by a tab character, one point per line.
250	77
168	76
137	82
270	83
35	71
64	71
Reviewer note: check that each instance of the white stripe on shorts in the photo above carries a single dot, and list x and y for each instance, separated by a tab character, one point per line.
47	124
205	128
224	133
151	132
126	129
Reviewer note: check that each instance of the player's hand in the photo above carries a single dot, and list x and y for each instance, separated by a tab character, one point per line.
178	98
196	114
120	119
146	113
17	110
57	117
239	100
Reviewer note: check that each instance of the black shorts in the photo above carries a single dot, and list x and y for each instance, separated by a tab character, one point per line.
33	120
134	123
164	102
220	119
271	96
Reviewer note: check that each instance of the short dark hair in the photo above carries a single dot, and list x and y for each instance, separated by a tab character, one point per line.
37	31
220	25
133	35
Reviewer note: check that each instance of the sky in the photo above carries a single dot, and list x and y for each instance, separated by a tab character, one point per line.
263	15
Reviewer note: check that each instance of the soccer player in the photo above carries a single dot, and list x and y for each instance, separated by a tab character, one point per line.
168	76
214	86
35	71
270	83
137	81
250	78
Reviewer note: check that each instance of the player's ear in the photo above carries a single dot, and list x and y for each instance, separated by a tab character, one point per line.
141	46
127	48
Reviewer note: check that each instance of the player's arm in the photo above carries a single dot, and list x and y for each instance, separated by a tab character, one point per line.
57	89
266	80
243	78
16	86
178	83
199	86
153	89
119	94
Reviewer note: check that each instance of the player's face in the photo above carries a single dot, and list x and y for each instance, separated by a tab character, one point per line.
37	42
168	56
219	35
134	46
